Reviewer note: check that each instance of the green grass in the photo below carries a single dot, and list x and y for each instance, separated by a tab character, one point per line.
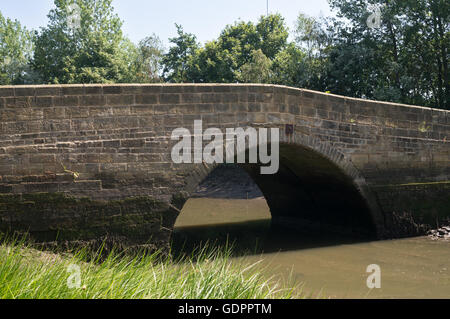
27	273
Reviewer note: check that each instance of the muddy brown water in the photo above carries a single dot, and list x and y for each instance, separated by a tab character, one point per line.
328	266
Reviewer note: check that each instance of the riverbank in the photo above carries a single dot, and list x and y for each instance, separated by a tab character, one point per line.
27	273
442	233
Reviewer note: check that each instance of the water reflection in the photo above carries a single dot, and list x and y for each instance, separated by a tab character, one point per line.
251	238
326	263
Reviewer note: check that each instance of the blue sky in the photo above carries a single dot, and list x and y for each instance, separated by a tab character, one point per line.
204	18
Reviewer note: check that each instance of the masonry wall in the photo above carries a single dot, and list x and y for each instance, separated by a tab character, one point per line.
110	145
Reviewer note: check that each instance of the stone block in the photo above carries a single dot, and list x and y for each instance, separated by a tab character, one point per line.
169	98
72	90
6	91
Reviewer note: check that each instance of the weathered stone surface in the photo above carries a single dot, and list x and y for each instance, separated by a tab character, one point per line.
72	155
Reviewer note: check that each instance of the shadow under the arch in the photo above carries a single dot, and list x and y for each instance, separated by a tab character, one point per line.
252	238
229	209
312	202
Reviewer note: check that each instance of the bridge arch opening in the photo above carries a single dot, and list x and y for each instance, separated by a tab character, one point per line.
309	195
312	193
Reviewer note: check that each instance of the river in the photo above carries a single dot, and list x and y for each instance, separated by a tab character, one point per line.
327	266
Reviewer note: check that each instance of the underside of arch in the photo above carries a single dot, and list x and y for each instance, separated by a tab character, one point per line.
312	193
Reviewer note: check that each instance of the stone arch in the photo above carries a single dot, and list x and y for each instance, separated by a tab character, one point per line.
342	173
344	162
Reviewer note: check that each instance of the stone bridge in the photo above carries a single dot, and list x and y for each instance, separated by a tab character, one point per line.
89	162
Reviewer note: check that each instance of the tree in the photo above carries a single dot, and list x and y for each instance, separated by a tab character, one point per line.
16	47
212	64
221	60
290	67
224	59
308	34
148	60
405	59
257	70
273	34
314	40
83	43
425	52
177	59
